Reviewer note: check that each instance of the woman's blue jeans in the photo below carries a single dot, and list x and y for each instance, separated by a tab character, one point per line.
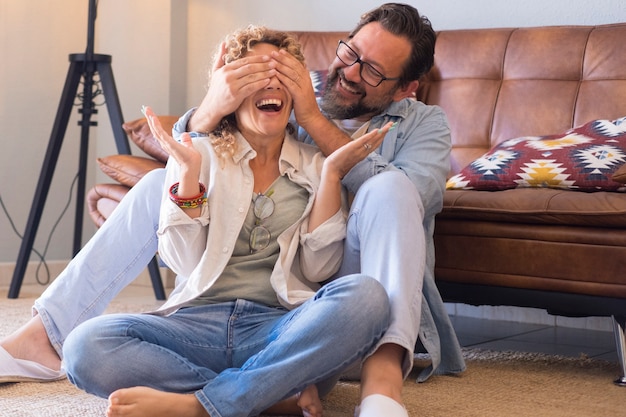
385	240
238	357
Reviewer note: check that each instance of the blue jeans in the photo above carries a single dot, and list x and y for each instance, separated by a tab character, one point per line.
384	240
238	357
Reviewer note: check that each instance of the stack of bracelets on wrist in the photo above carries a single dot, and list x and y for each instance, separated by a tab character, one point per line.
188	203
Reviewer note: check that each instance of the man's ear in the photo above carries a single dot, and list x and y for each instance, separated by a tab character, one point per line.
408	91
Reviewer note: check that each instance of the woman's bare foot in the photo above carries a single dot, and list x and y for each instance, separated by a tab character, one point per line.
306	403
30	342
148	402
143	401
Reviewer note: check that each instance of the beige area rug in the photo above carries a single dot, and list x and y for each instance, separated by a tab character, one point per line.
496	384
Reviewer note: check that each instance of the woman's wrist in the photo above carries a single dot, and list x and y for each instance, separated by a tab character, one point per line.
189	185
188	202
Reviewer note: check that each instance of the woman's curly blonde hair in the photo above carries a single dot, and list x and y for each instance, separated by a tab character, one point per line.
237	46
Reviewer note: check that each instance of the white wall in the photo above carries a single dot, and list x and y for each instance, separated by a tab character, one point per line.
161	50
35	40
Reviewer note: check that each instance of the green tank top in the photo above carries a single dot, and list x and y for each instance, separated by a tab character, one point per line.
247	275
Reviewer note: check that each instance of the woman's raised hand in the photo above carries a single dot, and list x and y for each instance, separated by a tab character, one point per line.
183	152
346	157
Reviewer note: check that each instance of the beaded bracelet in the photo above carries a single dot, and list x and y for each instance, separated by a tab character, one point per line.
188	203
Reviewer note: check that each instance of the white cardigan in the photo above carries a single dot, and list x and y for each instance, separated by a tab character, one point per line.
197	250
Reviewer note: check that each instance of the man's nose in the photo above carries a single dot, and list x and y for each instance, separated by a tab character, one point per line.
353	72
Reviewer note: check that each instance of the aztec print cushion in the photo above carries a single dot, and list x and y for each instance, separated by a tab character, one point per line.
582	159
318	78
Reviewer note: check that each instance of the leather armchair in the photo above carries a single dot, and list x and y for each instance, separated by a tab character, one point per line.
126	170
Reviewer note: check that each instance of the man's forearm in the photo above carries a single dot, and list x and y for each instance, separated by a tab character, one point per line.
202	121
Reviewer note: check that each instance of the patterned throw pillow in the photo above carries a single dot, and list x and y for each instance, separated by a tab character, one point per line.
581	159
318	78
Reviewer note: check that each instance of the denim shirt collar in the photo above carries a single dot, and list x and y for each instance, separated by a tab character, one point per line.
399	109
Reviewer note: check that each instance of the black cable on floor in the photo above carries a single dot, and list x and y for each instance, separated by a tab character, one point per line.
42	256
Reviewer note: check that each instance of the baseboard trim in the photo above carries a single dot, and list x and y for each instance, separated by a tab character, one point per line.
36	272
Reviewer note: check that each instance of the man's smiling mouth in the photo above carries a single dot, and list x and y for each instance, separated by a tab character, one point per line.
348	86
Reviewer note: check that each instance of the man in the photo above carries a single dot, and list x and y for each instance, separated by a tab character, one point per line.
400	185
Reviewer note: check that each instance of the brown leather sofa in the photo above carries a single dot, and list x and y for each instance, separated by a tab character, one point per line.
559	250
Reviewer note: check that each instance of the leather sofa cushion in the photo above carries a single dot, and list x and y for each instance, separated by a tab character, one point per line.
127	169
537	206
319	47
578	260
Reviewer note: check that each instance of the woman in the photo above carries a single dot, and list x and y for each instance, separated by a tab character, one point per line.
252	222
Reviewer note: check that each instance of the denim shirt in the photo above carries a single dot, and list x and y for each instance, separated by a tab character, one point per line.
420	147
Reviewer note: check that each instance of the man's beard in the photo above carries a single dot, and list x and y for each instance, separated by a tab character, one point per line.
332	102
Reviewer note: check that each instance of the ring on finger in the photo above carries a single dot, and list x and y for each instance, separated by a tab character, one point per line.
367	146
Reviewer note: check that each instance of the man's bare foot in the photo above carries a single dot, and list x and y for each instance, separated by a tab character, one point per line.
306	403
30	342
148	402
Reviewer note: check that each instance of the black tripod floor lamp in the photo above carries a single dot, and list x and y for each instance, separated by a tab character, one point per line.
82	66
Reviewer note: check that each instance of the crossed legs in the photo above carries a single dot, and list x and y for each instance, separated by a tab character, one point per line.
228	353
385	240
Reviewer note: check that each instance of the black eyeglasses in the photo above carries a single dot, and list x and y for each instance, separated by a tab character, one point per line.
263	208
368	73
